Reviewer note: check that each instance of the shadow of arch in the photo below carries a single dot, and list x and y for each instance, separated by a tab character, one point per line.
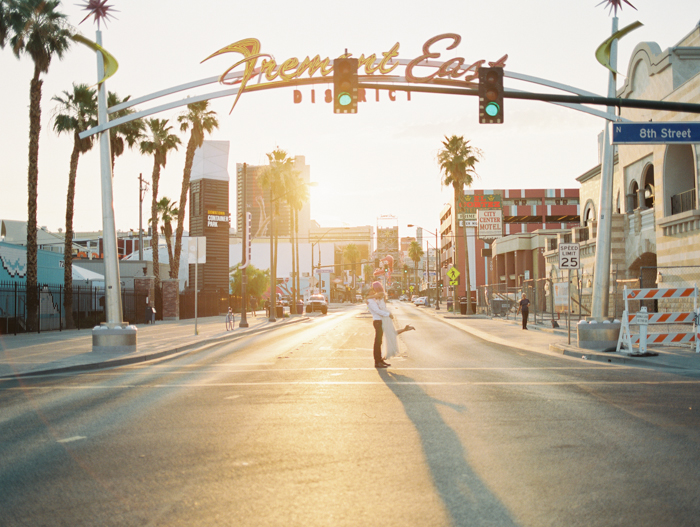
466	497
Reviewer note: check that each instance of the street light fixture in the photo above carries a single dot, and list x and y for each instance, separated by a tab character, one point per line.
437	266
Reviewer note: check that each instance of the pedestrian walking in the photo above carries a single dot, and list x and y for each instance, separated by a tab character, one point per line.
230	320
267	307
524	306
254	305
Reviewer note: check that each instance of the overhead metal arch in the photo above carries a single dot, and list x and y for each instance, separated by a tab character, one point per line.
400	83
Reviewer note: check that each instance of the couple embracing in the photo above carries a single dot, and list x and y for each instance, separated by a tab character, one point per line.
383	323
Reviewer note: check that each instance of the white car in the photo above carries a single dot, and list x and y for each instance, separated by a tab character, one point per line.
420	301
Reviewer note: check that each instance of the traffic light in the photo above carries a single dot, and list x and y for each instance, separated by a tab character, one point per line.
345	85
491	95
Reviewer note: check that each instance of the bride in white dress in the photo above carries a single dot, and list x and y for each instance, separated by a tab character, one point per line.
390	331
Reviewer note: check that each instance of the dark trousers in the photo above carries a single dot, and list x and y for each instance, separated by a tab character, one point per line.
525	314
378	334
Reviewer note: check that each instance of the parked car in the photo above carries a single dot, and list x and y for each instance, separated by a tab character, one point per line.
317	303
403	298
420	301
413	298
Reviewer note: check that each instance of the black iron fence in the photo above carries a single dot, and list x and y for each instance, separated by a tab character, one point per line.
88	307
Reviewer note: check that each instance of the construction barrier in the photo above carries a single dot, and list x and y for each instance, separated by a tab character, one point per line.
642	320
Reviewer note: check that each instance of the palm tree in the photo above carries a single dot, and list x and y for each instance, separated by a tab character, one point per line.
126	134
76	112
158	144
297	194
38	29
167	211
352	254
457	160
415	253
200	121
272	179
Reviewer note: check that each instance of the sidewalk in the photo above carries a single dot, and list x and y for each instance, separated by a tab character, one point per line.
30	354
543	339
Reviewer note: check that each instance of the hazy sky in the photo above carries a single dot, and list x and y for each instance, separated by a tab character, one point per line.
379	162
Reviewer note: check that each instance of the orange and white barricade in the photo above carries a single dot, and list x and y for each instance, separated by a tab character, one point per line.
642	320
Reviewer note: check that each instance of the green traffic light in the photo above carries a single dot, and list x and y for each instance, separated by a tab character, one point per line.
492	109
344	99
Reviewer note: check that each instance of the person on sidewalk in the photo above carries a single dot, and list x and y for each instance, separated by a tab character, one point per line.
253	305
524	306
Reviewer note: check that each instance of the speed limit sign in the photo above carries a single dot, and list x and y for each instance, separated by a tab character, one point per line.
569	256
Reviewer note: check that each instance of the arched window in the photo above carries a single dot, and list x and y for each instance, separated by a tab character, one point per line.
588	214
634	196
679	179
649	185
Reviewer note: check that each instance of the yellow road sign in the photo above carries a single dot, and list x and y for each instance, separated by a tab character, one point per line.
454	282
453	273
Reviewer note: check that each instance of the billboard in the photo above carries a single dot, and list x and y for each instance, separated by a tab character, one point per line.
490	223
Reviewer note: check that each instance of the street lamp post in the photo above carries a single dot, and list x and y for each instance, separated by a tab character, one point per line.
437	266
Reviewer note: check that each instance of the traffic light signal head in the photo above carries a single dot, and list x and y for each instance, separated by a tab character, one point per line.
345	85
491	95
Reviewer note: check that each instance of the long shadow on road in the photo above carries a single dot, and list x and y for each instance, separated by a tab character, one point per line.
466	497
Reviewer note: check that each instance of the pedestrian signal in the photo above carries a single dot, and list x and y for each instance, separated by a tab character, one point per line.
345	85
491	95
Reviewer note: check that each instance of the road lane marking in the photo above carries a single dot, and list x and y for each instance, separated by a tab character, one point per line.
369	383
71	439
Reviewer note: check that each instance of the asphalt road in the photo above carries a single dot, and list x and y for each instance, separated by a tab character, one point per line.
295	427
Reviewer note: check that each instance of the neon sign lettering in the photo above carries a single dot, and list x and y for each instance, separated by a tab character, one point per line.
290	70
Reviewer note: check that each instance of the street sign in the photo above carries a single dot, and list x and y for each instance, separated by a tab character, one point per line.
454	282
656	133
453	273
569	256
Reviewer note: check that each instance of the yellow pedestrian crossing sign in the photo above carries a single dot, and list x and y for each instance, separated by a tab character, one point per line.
453	273
454	282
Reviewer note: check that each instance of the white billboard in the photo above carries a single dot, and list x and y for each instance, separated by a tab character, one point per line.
490	223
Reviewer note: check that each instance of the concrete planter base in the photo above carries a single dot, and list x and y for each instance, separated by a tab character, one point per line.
598	336
114	339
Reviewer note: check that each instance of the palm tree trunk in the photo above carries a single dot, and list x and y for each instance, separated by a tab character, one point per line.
32	191
293	307
298	275
168	233
68	242
182	207
455	293
467	281
155	178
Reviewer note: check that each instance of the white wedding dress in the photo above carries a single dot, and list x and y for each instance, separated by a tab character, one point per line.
390	335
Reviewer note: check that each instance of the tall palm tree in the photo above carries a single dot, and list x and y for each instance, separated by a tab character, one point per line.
415	253
272	179
200	121
296	195
35	28
126	134
76	111
158	143
352	254
457	160
167	212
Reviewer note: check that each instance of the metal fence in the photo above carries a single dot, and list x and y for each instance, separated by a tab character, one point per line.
499	300
88	307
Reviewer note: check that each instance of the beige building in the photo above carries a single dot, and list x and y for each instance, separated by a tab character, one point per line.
656	221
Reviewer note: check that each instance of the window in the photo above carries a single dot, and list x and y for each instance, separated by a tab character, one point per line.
634	196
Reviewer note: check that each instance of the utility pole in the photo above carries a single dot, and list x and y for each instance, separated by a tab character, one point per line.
246	234
143	186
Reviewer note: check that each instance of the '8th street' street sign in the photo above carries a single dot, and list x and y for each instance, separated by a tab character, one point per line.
656	133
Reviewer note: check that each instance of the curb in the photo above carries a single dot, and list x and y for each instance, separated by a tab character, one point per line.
193	346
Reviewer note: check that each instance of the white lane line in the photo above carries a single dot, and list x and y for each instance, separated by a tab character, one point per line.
368	383
71	439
